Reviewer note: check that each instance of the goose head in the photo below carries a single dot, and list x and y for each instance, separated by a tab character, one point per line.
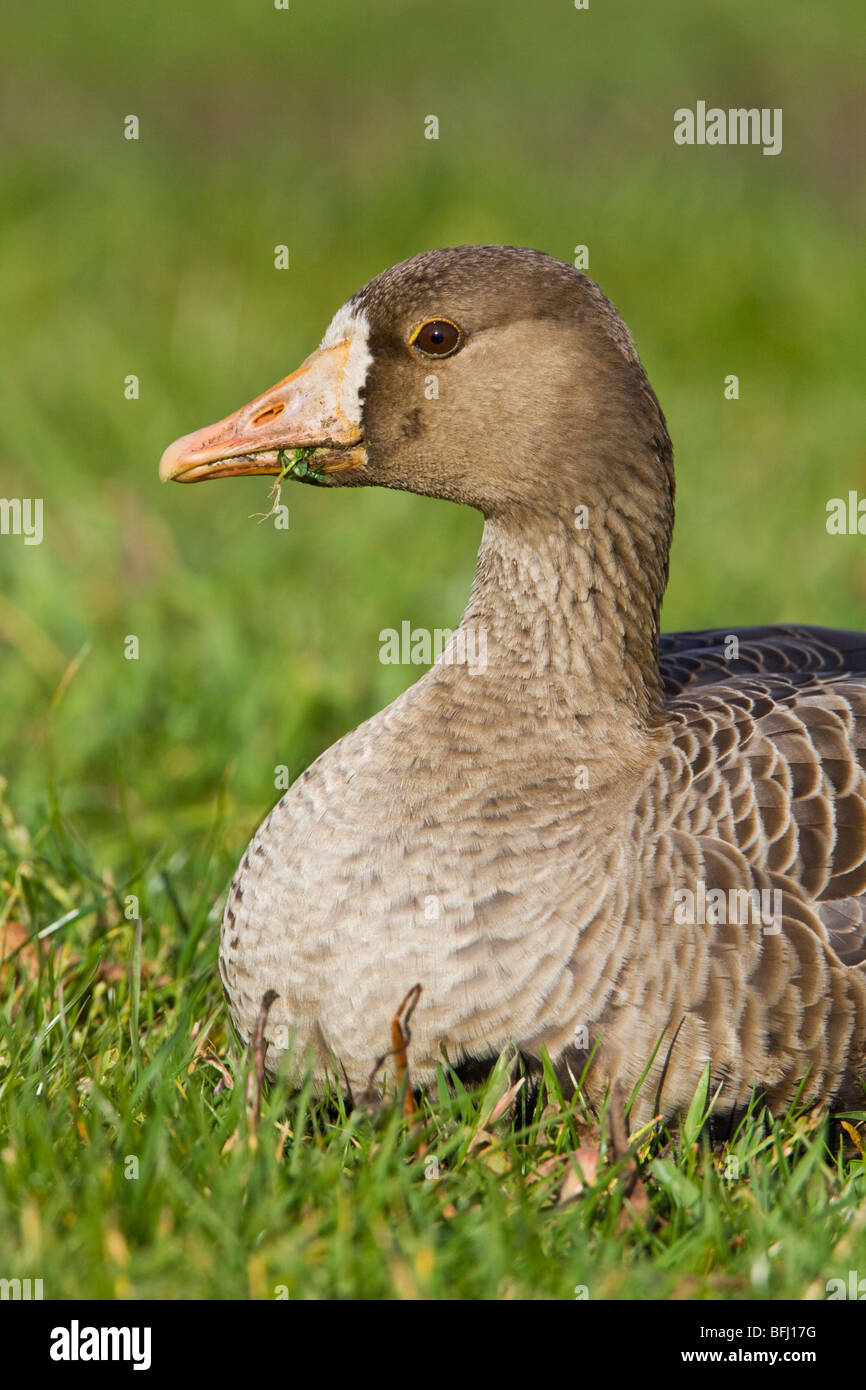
489	375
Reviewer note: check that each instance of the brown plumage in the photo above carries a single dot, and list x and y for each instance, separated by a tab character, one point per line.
560	847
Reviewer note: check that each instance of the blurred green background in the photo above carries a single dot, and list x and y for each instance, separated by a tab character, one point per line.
257	127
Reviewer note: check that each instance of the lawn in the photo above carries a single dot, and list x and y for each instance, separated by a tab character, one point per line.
128	1162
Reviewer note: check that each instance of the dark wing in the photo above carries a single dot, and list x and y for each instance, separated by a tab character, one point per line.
688	659
775	744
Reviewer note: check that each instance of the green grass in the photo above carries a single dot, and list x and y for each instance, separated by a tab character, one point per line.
258	647
130	1169
129	1166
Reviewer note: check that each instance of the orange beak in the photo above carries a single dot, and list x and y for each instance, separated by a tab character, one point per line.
313	410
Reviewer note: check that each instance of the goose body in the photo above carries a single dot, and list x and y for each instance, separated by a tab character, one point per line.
597	842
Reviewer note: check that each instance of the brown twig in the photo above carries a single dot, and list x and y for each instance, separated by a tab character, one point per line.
400	1040
621	1149
256	1080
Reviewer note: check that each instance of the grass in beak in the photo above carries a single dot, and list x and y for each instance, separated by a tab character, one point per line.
295	462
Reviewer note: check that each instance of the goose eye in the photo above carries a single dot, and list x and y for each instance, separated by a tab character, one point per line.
436	338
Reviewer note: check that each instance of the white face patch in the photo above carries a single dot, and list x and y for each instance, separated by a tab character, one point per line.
351	325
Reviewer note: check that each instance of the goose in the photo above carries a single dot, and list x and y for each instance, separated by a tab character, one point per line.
565	844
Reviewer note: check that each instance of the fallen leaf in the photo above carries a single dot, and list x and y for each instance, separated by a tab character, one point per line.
578	1178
